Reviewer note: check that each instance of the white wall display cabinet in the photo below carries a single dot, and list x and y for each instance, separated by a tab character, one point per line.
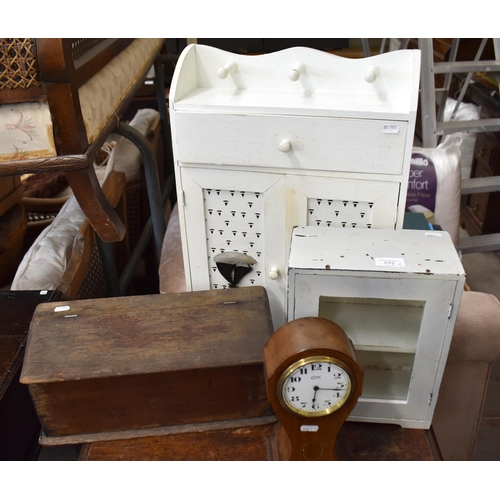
396	295
297	137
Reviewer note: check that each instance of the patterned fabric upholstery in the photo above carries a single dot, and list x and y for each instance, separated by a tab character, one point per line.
100	96
26	131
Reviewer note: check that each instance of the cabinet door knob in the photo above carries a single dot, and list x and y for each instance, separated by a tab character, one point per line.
285	145
228	68
295	72
371	73
274	273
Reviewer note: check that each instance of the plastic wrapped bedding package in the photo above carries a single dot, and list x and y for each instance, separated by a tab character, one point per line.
434	185
465	112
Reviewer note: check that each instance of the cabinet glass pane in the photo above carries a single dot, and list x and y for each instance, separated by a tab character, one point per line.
387	374
385	335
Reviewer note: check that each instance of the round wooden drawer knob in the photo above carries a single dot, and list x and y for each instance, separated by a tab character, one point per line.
274	273
285	145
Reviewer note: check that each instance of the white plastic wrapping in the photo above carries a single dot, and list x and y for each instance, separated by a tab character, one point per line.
434	186
465	112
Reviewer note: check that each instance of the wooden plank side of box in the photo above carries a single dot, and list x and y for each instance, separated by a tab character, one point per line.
148	361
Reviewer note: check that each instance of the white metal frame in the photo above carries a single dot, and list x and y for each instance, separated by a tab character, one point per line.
433	127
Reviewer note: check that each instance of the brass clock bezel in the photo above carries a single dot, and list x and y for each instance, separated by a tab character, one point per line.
299	364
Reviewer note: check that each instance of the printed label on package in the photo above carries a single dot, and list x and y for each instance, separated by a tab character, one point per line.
422	185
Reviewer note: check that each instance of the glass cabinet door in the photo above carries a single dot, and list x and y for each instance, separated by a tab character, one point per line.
397	326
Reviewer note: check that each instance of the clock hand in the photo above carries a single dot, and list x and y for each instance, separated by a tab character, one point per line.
330	389
316	388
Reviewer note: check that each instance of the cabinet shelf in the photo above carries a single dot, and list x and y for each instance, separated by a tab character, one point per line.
385	348
385	385
376	324
387	375
300	103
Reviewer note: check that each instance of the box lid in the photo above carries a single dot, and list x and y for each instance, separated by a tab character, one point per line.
101	338
378	250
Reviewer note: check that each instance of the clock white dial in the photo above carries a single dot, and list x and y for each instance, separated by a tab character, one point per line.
314	386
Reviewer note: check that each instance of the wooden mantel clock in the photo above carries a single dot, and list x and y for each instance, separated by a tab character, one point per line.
313	382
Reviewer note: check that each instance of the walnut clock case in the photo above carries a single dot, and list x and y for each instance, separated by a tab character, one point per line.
297	137
396	295
313	382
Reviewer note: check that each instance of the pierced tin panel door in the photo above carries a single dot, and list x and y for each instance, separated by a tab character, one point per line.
338	202
241	212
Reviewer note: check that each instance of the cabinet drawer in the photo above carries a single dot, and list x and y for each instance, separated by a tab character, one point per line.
316	143
478	203
485	152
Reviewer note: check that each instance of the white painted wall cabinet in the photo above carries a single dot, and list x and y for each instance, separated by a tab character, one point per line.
396	295
297	137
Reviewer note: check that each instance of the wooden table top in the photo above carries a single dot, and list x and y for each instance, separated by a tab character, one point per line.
356	441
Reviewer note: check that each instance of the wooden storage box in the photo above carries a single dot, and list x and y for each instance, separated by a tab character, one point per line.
99	369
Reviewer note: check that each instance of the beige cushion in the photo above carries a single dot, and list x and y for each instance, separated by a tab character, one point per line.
474	346
476	336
